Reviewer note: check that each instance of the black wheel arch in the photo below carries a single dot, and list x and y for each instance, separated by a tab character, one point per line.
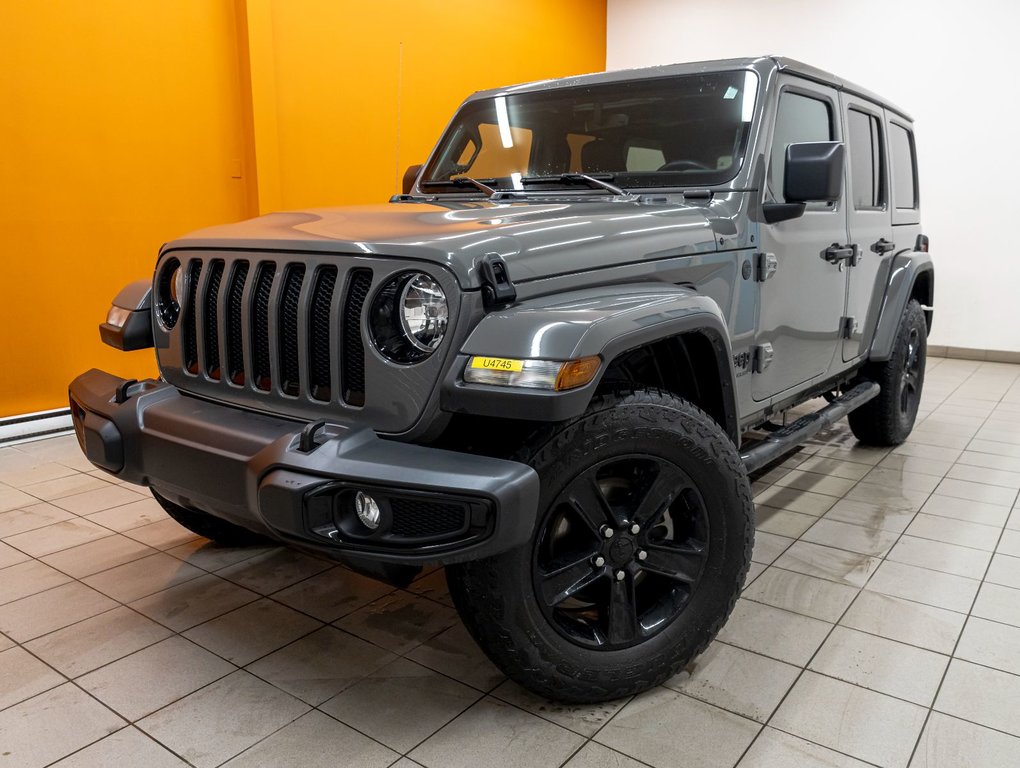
694	365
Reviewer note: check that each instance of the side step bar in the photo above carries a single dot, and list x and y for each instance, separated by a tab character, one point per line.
792	435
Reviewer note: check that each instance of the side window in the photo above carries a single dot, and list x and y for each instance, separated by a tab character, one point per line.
800	118
867	172
904	166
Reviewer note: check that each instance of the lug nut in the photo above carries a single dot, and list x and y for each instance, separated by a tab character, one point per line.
642	555
607	531
635	528
620	575
599	561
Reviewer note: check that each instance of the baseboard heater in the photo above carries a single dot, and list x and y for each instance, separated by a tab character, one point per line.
14	429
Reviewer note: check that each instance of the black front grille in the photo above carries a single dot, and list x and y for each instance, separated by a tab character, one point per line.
261	365
282	327
416	518
354	361
212	345
190	330
234	330
290	369
319	334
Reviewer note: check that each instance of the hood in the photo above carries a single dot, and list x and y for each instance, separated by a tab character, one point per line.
536	239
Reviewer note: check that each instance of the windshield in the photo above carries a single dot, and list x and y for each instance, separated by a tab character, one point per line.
688	130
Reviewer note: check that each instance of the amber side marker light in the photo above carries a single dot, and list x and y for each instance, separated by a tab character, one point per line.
577	373
532	374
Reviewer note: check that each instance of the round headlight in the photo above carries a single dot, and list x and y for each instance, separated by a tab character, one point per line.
169	290
177	285
423	312
409	317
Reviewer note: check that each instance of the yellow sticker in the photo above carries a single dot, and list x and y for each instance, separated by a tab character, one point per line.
497	363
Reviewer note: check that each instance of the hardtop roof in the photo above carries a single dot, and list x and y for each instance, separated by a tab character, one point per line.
761	64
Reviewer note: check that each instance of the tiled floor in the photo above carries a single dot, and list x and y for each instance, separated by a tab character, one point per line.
880	626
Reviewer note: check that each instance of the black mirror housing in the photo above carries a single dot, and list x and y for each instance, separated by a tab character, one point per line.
814	172
409	178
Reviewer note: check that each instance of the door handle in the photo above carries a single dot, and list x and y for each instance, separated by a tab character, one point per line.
837	254
882	246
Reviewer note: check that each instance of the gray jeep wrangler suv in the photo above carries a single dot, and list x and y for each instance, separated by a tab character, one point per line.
551	363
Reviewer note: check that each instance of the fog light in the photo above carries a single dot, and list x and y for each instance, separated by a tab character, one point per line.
367	509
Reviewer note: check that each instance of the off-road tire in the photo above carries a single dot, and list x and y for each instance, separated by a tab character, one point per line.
220	531
496	596
889	418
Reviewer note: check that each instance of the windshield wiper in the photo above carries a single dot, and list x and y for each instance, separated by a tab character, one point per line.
462	181
579	178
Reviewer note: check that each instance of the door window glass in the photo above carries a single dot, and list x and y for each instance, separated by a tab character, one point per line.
800	118
867	174
904	166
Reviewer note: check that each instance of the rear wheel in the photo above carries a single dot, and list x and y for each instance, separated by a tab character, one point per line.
220	531
642	543
889	418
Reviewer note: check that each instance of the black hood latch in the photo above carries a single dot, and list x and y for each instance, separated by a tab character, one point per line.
497	288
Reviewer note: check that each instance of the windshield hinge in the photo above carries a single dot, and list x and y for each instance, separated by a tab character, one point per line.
497	288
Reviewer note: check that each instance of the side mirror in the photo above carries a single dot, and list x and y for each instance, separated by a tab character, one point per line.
813	173
409	178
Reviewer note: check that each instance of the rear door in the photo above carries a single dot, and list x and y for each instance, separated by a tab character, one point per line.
869	223
802	301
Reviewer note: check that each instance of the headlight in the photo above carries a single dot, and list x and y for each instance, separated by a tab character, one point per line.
532	374
169	289
423	312
409	317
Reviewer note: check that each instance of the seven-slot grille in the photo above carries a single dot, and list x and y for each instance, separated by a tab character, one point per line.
277	327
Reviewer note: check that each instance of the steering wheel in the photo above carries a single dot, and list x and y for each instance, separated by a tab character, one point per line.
684	165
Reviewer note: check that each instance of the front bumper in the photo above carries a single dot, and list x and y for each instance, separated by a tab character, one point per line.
258	471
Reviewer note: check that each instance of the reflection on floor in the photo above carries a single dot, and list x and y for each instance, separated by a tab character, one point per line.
880	625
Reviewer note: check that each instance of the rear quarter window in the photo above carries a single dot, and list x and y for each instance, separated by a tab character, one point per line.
904	167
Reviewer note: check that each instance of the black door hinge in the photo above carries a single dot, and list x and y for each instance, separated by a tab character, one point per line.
763	354
767	264
847	327
497	288
882	245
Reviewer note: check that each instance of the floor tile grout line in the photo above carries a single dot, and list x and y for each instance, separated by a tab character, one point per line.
963	628
421	596
127	726
953	657
837	623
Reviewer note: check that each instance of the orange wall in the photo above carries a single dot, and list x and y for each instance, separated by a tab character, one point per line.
124	124
120	127
364	89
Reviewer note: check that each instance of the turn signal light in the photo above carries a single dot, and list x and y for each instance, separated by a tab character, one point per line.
577	373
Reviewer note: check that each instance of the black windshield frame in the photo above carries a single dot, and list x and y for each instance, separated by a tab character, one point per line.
690	122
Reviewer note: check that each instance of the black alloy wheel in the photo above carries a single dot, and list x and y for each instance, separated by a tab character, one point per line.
642	540
910	382
621	552
889	418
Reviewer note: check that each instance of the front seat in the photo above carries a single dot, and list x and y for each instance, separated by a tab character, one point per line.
602	156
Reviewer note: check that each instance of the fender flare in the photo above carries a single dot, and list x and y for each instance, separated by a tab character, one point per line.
903	275
606	321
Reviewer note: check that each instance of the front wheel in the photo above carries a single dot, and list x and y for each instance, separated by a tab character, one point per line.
642	543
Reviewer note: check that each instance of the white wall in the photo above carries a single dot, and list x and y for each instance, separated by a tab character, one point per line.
950	65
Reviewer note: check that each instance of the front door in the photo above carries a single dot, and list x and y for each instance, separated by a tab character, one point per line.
869	222
802	302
